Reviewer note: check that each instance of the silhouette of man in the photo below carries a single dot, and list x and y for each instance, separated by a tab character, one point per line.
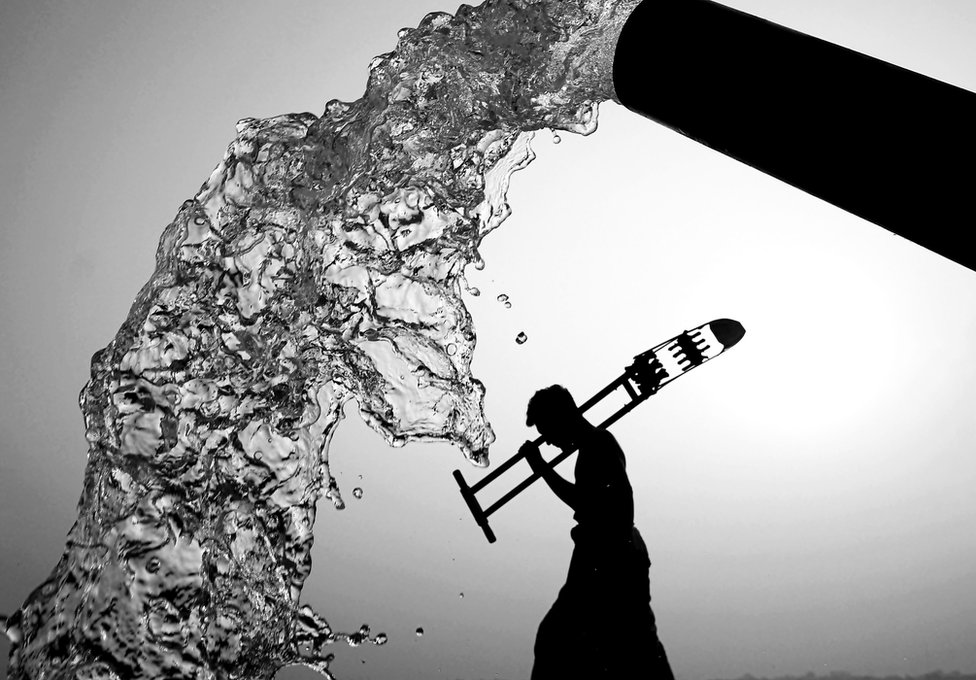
601	624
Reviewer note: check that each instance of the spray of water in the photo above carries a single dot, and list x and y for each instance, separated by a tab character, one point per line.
322	261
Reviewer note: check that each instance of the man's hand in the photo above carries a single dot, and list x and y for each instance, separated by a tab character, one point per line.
533	456
564	490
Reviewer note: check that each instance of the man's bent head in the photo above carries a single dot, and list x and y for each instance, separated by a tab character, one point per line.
553	412
551	403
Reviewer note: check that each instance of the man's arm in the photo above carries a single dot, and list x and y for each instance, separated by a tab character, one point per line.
565	490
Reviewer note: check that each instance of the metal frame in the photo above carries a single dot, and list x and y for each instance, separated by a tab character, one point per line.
643	378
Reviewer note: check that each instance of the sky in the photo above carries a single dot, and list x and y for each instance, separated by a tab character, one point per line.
806	498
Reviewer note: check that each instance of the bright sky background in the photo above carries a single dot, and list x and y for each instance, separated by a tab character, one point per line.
807	499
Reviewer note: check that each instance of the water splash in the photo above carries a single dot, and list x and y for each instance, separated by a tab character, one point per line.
322	261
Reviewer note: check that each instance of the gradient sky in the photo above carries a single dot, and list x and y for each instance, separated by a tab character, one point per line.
807	499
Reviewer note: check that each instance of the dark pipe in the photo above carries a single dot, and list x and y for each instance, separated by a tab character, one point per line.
884	143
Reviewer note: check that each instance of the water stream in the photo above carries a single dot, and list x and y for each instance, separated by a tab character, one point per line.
322	261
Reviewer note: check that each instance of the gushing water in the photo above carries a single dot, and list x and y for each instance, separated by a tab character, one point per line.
322	261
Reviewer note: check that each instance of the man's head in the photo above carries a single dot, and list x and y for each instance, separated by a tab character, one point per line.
553	412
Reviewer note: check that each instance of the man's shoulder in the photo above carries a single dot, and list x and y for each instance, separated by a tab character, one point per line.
600	440
605	438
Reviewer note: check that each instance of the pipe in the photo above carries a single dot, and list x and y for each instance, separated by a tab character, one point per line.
890	145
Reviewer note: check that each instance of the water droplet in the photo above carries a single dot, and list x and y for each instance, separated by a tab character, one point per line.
357	492
556	138
451	349
474	291
420	632
12	631
521	338
502	298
